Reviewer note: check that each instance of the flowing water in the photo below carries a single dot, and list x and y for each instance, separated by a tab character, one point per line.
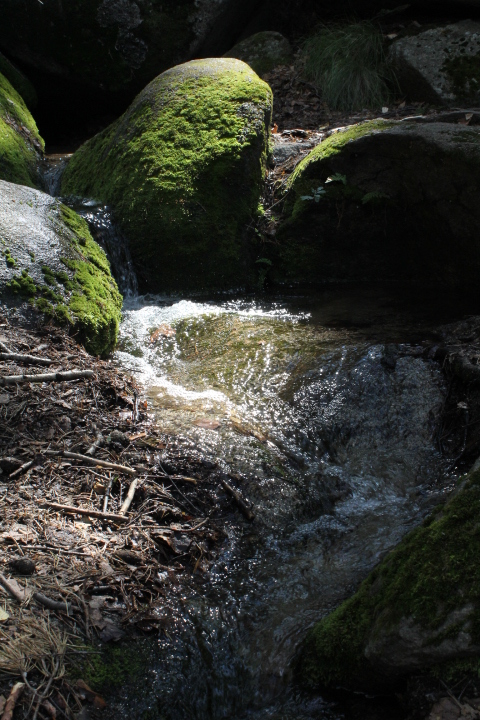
327	410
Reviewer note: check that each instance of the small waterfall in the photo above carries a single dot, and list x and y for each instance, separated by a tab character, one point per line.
52	170
109	237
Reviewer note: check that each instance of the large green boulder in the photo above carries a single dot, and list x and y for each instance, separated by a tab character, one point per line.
49	263
183	171
21	146
385	201
117	44
418	610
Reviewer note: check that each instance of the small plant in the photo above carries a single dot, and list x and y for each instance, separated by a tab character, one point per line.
315	196
374	197
348	64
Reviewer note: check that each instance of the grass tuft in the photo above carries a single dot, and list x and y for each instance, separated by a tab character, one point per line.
348	64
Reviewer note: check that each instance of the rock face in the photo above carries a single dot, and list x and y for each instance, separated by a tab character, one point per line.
116	44
263	51
21	146
19	82
385	201
440	65
183	171
50	261
418	609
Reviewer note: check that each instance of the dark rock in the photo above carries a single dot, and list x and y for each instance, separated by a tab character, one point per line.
440	65
118	44
10	464
23	566
263	51
385	201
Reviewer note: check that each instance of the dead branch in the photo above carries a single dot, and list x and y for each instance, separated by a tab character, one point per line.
17	595
98	443
22	469
246	510
101	463
85	511
21	596
31	359
107	495
51	604
15	694
129	498
61	376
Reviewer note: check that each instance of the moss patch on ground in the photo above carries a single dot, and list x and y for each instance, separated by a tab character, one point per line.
431	574
183	170
20	143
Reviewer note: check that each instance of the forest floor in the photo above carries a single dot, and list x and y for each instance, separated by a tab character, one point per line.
101	515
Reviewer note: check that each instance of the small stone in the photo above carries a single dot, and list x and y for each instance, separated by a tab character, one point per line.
23	566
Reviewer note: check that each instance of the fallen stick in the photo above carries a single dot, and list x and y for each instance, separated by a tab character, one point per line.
100	463
61	376
22	469
128	500
93	447
85	511
239	500
20	597
4	348
15	694
32	359
106	497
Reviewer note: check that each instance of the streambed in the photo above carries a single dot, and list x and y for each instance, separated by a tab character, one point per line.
326	410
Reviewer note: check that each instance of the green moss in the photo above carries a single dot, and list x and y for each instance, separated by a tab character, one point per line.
44	306
95	301
113	667
463	72
313	170
183	169
20	142
63	315
49	275
23	285
50	294
433	572
9	259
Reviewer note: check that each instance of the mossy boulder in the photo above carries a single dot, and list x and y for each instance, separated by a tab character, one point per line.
384	201
418	610
21	146
183	170
263	51
440	65
117	45
50	263
18	81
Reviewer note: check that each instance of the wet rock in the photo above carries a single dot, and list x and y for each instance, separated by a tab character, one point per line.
263	51
117	44
385	201
23	566
50	263
183	170
21	147
418	609
440	64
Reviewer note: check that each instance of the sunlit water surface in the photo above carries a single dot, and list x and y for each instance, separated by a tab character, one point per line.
327	409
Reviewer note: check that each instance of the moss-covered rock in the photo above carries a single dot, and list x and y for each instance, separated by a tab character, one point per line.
419	609
117	44
183	170
18	80
393	201
263	51
51	262
21	146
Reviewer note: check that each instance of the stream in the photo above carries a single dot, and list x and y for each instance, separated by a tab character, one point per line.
326	407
